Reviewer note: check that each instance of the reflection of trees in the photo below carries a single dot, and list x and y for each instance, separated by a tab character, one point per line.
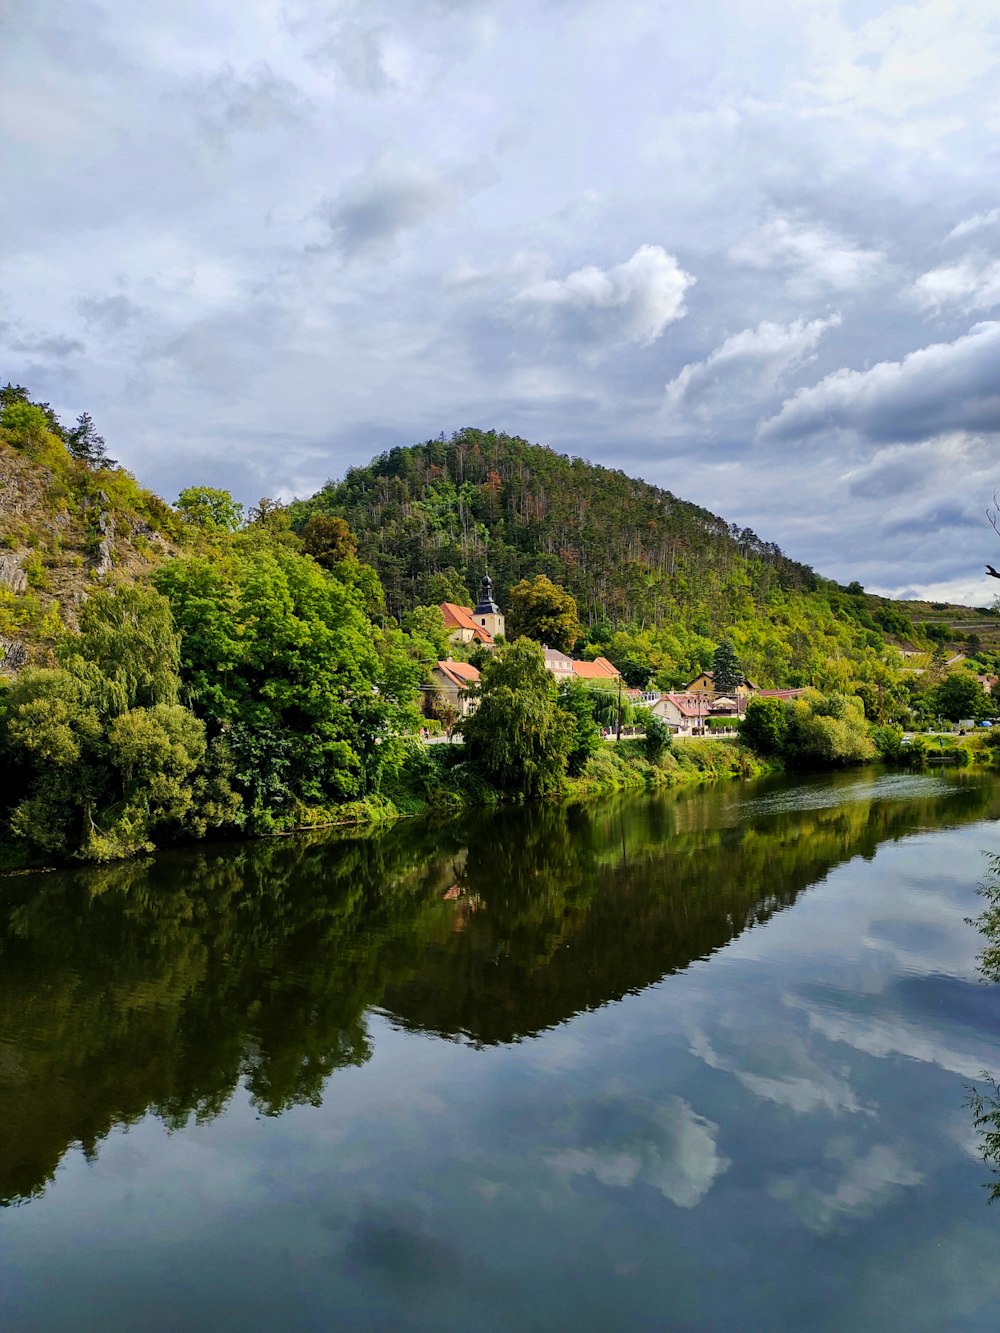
163	985
984	1100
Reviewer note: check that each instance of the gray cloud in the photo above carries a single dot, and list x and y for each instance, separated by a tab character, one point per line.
52	346
747	366
109	314
367	218
946	386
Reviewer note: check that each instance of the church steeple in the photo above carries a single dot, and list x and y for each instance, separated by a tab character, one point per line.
487	614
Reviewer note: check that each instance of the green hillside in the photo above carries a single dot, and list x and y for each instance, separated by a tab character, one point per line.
657	580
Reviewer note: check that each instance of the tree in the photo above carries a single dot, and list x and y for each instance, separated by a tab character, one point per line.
659	737
960	695
539	609
84	443
576	700
765	726
328	540
726	669
518	736
210	508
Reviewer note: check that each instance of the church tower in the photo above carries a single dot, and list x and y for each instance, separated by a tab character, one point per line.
487	614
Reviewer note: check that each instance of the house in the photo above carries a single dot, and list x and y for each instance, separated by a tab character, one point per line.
600	670
684	713
987	683
784	695
559	663
704	684
453	682
482	624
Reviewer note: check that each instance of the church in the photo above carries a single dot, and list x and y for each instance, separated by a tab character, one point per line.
482	624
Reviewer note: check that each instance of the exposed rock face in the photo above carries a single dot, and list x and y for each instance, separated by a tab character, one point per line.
105	547
12	576
13	654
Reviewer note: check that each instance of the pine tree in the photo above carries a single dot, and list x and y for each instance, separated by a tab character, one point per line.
84	443
726	668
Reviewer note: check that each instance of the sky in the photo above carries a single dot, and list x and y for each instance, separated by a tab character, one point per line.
748	252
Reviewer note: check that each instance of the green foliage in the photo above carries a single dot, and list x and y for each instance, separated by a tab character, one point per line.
210	508
84	443
658	739
829	730
328	540
820	729
540	610
764	727
282	659
426	629
726	669
960	695
578	702
519	736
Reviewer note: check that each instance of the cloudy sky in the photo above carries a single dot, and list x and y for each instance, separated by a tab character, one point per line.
750	252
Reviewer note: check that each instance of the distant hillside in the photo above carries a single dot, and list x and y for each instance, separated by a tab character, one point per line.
638	560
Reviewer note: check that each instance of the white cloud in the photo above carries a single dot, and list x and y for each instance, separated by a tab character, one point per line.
748	365
971	284
988	218
946	386
813	255
635	300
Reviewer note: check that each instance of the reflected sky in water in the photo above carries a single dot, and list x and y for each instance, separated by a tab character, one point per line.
686	1062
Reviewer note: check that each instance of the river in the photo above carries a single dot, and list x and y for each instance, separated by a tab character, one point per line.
693	1061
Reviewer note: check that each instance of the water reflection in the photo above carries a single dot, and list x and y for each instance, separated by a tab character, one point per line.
161	987
984	1097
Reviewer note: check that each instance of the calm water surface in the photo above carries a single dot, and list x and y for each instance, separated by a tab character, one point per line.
688	1062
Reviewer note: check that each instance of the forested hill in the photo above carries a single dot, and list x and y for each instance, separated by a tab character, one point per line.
655	577
627	550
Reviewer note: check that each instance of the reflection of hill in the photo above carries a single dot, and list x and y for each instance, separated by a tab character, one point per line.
160	986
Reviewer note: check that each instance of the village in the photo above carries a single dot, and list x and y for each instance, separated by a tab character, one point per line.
698	710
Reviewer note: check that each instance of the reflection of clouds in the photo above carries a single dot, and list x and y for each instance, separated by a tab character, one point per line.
882	1037
784	1072
865	1184
669	1147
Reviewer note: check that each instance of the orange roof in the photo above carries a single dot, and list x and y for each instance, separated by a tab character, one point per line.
599	669
460	617
461	674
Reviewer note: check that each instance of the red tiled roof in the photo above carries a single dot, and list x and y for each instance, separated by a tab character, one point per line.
599	669
460	617
462	674
780	694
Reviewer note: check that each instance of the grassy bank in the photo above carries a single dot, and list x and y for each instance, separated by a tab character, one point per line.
439	777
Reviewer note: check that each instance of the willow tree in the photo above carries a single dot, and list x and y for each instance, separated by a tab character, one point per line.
518	736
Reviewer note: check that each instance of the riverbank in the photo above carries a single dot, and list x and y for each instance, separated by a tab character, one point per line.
440	779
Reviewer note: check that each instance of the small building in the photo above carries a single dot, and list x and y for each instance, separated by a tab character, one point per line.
683	713
600	669
784	695
559	663
704	684
454	681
